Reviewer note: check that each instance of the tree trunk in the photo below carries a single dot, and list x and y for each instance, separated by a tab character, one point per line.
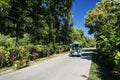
17	34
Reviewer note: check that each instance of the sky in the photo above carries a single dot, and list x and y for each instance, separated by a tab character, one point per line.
79	11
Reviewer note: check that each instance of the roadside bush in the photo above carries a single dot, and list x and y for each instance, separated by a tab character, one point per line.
7	58
30	48
117	60
23	53
25	40
117	64
37	48
51	49
41	50
33	50
108	49
2	49
43	53
2	60
6	41
13	58
3	40
8	50
56	48
61	48
10	53
35	56
46	51
2	56
66	48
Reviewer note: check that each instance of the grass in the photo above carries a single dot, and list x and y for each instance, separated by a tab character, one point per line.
98	71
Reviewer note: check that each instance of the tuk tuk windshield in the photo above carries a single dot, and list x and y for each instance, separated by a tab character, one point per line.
75	47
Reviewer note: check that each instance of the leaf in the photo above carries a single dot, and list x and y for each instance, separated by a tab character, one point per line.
102	36
117	55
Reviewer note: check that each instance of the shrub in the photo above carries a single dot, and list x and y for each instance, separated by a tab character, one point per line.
2	49
2	60
66	48
23	53
6	41
57	48
44	52
7	57
13	58
25	40
38	48
35	56
30	48
117	63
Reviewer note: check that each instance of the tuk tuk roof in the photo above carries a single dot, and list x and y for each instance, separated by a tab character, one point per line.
76	43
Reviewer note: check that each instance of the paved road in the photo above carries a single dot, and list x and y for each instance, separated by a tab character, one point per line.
60	68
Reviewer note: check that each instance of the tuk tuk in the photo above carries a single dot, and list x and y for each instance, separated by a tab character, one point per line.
75	49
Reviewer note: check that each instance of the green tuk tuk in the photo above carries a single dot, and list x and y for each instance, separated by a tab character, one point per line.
75	49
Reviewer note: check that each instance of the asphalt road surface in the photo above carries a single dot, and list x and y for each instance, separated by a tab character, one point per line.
60	68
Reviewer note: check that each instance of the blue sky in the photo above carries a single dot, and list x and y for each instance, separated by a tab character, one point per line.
79	10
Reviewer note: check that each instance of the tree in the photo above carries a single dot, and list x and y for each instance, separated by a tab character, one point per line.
104	22
44	20
13	21
38	28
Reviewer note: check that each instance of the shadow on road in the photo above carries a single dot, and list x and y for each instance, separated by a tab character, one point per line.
86	55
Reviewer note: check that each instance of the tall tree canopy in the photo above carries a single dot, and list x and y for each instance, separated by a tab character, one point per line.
105	13
44	20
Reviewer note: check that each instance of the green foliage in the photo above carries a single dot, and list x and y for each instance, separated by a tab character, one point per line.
117	59
53	23
30	47
77	35
6	41
104	21
23	53
37	28
117	62
35	56
57	48
7	58
2	60
2	49
85	41
25	40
